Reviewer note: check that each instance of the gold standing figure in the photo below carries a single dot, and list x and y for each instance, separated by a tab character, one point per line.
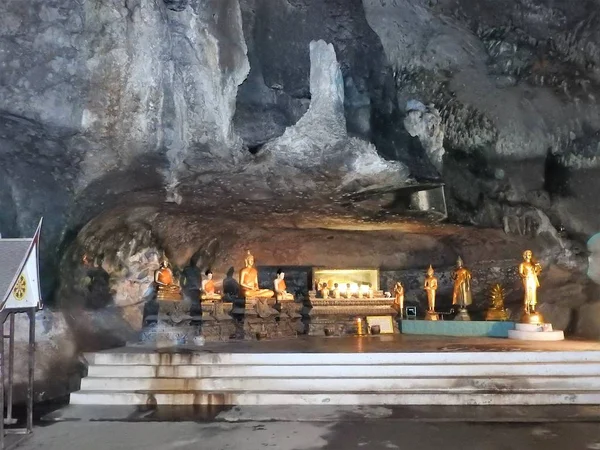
461	295
249	281
399	299
430	286
529	270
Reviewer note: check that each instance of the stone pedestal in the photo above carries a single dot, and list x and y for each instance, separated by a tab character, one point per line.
535	332
170	326
462	316
337	317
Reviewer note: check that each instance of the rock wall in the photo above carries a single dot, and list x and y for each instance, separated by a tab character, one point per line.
149	127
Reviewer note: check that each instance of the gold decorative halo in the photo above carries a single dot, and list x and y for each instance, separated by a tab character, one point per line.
20	288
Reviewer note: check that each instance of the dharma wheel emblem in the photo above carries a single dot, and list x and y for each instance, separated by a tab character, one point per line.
20	288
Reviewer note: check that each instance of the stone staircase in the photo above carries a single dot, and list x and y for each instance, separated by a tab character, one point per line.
135	376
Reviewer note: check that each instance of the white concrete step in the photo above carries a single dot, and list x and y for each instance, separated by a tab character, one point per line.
150	358
536	335
347	398
334	385
347	371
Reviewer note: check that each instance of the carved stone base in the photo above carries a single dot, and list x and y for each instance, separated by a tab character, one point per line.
337	317
533	318
169	296
463	315
431	315
170	325
496	315
167	335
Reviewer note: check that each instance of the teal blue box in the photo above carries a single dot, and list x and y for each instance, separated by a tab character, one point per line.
456	328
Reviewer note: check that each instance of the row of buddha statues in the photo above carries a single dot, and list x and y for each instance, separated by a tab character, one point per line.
528	270
345	291
169	289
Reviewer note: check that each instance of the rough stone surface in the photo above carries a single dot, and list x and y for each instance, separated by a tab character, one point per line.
153	127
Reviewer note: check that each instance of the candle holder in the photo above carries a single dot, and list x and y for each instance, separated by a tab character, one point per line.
360	327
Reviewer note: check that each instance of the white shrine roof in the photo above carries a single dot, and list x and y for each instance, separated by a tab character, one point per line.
13	255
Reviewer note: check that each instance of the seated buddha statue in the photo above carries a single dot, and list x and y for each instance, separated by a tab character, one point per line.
336	291
281	292
249	281
167	289
348	293
324	290
208	287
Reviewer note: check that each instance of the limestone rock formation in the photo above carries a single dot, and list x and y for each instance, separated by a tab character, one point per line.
319	141
153	127
425	123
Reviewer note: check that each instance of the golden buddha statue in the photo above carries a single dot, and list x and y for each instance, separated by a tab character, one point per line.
166	287
497	311
336	291
281	292
398	304
249	281
348	293
430	286
529	270
370	293
324	290
461	295
208	287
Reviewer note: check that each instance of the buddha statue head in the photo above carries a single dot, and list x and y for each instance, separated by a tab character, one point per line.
430	271
164	264
249	261
280	274
459	262
208	274
527	255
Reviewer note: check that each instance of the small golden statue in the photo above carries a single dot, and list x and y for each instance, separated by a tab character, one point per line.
348	293
461	295
430	286
497	311
529	270
208	287
336	291
370	293
249	281
324	290
398	304
166	287
281	292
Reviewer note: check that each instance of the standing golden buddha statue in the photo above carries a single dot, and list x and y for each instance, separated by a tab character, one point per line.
461	294
529	270
430	286
398	304
166	287
249	281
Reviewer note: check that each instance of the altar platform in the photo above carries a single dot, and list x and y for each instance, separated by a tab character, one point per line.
369	370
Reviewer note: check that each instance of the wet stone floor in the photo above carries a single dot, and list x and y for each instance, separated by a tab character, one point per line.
363	432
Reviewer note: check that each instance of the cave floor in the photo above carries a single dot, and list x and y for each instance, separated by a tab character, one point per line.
370	428
372	344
